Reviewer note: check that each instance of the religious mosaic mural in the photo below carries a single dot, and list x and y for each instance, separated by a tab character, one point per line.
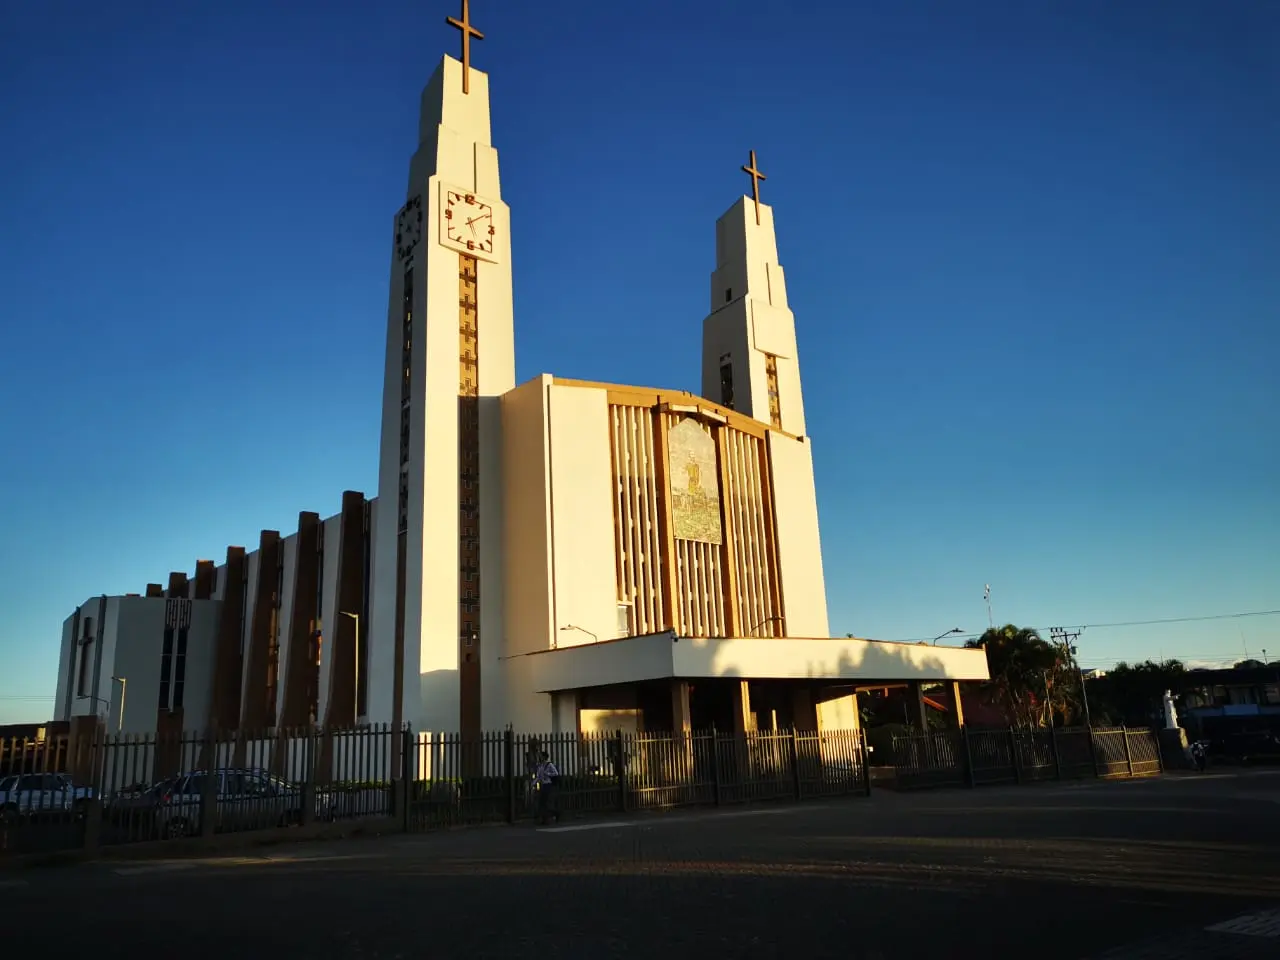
695	483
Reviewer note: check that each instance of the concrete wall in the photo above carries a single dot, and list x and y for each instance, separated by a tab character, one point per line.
804	591
836	658
582	517
838	712
132	643
289	547
66	650
95	615
528	708
659	656
526	544
132	639
560	585
328	587
251	563
332	528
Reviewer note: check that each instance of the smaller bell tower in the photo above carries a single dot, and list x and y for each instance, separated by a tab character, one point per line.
749	357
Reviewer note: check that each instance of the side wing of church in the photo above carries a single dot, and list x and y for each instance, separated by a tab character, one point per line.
559	555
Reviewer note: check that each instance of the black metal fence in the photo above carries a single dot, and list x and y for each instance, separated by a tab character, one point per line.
456	780
972	757
62	794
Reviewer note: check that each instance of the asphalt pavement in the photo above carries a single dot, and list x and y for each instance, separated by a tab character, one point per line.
1180	866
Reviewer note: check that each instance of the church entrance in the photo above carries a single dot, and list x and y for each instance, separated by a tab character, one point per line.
711	705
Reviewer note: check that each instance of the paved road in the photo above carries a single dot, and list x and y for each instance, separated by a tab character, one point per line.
1101	870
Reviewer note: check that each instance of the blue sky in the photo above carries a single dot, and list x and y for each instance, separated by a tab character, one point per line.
1031	248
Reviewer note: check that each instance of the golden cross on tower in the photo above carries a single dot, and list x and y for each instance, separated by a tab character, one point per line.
756	177
468	31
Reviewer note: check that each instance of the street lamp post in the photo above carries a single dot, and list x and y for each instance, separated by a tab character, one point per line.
124	686
355	670
571	626
953	630
120	716
752	631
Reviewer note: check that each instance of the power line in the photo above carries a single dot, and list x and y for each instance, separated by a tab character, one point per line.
1129	623
1112	661
1175	656
1147	623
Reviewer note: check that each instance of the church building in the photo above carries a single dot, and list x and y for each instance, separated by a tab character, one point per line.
555	555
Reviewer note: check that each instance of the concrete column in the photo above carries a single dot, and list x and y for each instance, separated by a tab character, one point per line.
957	713
916	708
300	666
257	706
742	725
206	579
743	719
228	670
837	710
804	716
680	721
350	634
564	712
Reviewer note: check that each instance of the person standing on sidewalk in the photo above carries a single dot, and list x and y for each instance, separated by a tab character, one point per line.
545	777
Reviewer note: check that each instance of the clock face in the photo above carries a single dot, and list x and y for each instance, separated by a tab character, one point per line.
408	228
468	222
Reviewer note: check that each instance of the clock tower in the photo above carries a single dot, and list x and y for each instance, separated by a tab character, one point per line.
437	605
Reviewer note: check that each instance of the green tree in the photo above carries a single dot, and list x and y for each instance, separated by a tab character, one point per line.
1031	678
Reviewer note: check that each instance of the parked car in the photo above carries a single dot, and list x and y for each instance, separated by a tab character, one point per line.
29	793
245	800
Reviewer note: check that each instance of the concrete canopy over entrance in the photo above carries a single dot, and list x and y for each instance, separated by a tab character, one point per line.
668	656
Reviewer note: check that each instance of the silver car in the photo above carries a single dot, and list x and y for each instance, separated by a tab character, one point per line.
245	800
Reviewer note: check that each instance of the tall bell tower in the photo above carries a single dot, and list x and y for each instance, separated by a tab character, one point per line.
749	357
437	614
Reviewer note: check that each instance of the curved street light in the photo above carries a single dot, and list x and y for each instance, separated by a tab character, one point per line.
752	631
953	630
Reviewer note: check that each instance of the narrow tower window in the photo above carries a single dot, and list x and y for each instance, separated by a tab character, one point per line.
771	382
166	655
180	668
726	381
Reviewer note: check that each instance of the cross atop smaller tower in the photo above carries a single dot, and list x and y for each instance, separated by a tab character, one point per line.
756	177
468	31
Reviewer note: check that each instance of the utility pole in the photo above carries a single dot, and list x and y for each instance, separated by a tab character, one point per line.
1067	639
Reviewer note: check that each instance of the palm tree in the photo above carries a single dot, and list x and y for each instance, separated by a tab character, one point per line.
1031	678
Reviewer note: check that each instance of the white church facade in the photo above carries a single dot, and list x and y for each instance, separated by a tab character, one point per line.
556	555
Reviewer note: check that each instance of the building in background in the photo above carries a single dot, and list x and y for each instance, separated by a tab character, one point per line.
1236	710
214	650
